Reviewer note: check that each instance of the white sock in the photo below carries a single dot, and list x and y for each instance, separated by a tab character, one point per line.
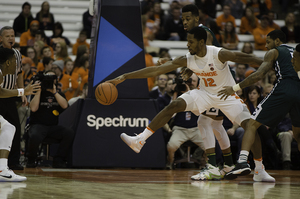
3	163
146	133
243	156
258	164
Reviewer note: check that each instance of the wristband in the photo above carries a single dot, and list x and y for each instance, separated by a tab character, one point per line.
20	92
55	93
236	87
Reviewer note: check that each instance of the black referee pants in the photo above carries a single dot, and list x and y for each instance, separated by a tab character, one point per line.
8	110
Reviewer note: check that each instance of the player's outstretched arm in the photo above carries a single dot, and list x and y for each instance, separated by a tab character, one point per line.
151	71
29	90
266	66
239	57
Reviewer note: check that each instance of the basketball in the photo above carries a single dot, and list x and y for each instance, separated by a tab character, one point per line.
106	93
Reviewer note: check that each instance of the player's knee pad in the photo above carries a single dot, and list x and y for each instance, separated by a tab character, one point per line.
6	135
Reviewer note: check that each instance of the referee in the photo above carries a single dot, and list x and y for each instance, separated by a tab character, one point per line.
8	108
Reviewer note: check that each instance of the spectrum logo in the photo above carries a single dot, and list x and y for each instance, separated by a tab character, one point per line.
97	122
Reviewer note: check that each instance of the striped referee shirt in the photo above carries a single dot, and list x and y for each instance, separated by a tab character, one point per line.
10	80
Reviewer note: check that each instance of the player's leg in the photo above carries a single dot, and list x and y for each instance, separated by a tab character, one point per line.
177	139
6	137
211	171
137	142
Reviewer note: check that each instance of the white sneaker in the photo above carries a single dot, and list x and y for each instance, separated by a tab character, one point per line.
225	170
7	175
210	172
260	175
134	142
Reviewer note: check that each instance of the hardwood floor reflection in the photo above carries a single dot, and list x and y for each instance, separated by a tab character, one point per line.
142	183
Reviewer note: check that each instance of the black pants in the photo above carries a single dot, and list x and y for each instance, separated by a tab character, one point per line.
37	133
8	110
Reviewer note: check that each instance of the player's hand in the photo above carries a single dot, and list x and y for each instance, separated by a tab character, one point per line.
31	89
230	131
161	61
117	80
186	73
227	91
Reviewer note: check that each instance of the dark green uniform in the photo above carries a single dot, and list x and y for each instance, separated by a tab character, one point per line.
285	96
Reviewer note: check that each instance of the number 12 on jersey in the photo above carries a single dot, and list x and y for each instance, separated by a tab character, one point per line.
209	82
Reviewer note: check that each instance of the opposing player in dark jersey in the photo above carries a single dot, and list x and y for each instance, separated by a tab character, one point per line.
283	99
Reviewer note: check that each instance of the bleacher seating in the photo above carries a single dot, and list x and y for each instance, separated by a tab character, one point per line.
69	13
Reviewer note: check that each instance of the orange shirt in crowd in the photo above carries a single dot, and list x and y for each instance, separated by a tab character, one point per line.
78	43
275	26
149	63
40	67
82	71
260	37
65	82
27	78
246	27
221	21
26	39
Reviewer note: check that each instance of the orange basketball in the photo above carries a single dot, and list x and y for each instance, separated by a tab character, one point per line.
106	93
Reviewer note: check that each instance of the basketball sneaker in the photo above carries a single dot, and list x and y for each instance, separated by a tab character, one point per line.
7	175
240	169
260	175
134	142
226	169
210	172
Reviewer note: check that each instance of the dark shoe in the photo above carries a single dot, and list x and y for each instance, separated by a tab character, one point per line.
240	169
286	165
16	167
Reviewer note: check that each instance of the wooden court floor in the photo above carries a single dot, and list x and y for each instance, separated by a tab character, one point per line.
144	183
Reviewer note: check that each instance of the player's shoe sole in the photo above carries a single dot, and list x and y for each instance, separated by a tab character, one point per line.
240	169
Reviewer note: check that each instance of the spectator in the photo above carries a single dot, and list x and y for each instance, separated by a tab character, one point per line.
173	4
45	65
216	30
291	29
31	53
209	7
240	71
236	8
259	8
81	40
45	18
174	28
184	125
204	18
58	36
248	22
82	50
260	33
225	17
61	51
271	15
159	91
45	108
46	53
22	22
66	84
152	27
230	39
149	63
83	70
27	73
28	38
267	89
69	66
38	45
87	21
41	36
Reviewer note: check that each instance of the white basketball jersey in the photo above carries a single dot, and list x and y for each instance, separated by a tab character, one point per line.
212	72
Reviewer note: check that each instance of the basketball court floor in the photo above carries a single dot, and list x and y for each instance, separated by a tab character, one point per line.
145	183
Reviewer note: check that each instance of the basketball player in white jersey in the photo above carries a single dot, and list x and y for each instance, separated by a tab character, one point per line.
7	131
209	63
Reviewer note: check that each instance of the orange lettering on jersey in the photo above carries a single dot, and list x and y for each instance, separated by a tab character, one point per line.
209	82
208	74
